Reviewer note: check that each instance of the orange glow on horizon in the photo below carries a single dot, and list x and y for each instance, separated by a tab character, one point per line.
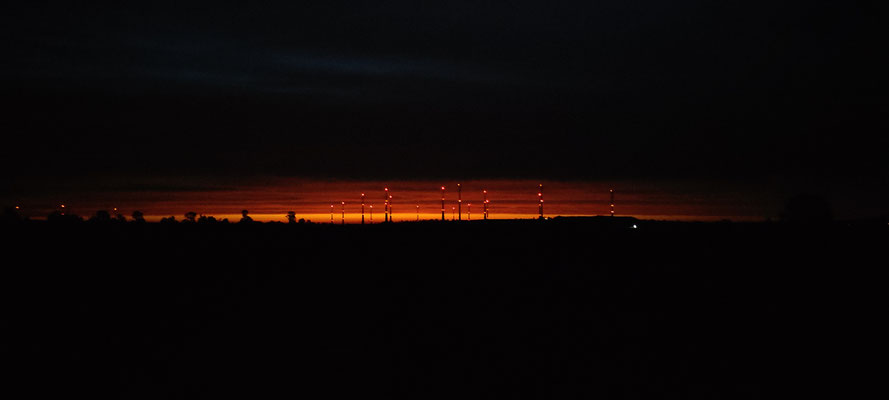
308	199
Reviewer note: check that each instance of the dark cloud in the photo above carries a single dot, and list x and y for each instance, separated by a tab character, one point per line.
586	89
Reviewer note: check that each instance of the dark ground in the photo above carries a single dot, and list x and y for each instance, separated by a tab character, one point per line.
554	309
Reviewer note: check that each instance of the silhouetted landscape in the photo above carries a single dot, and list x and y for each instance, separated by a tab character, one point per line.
672	199
566	307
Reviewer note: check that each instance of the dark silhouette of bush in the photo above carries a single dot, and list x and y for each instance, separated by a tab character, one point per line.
190	216
291	217
63	218
807	209
207	220
120	218
169	220
11	215
138	216
245	219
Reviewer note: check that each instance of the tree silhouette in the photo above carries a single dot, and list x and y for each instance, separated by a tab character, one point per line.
190	216
11	215
291	217
101	216
138	216
244	218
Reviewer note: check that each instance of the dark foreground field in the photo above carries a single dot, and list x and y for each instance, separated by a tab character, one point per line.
548	309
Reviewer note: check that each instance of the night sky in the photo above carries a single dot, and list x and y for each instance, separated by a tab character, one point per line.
591	90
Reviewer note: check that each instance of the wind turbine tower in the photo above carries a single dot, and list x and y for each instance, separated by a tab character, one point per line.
386	206
459	202
485	204
442	203
540	200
